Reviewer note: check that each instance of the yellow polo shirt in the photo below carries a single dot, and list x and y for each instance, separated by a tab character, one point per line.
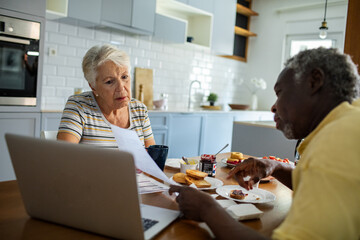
326	182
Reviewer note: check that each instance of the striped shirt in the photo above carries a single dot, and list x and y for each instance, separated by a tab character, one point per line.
83	118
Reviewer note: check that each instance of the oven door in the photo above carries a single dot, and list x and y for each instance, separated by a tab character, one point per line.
19	57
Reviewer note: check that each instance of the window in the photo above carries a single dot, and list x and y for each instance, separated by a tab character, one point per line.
299	45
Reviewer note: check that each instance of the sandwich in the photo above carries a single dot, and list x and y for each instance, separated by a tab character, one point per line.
196	174
238	194
199	183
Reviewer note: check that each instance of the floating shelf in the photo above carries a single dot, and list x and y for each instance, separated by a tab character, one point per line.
245	11
234	57
243	32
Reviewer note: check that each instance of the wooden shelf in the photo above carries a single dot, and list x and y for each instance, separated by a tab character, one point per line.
243	32
245	11
234	57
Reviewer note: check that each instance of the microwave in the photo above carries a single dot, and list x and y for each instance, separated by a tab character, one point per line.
19	61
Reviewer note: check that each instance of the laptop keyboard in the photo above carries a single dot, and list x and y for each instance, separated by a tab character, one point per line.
148	223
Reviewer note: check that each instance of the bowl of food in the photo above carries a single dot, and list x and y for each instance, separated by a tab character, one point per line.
239	106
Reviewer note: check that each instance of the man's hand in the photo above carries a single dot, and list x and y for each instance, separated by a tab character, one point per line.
254	168
192	202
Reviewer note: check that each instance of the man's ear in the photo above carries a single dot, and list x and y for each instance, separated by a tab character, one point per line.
317	80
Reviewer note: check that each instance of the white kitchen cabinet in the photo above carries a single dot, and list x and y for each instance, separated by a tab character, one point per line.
137	16
32	7
160	125
198	22
56	9
206	5
173	30
27	124
50	121
216	132
224	12
184	135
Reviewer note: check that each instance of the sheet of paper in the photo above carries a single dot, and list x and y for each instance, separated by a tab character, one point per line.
129	141
148	185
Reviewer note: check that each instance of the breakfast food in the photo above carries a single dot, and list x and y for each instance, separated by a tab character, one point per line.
196	174
285	160
208	164
192	177
237	155
235	158
180	178
238	194
199	183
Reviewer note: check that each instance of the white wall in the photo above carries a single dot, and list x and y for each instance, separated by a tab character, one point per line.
276	20
175	66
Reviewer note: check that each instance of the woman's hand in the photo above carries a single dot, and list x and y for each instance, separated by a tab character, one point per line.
256	169
192	202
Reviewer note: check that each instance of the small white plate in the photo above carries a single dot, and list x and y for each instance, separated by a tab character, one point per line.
173	162
215	183
256	195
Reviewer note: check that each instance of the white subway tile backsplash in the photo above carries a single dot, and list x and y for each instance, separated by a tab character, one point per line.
57	38
66	71
67	29
49	69
131	41
174	66
48	91
55	60
51	26
67	51
102	35
76	42
55	81
86	33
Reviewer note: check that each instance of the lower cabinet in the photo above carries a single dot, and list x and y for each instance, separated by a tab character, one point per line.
216	133
184	135
27	124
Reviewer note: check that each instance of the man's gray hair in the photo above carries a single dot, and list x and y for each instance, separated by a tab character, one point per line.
98	55
341	73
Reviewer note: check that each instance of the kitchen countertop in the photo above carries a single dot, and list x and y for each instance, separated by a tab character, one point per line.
268	124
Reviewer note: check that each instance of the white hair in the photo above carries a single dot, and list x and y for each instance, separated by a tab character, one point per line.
98	55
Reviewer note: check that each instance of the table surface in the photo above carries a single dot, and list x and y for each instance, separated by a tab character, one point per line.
16	224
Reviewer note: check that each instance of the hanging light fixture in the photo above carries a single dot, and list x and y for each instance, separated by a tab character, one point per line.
323	29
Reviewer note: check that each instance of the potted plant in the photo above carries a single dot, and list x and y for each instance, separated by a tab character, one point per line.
212	98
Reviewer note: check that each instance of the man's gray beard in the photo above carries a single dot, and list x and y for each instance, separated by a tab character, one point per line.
288	131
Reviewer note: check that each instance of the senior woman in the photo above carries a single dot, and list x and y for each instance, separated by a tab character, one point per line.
87	116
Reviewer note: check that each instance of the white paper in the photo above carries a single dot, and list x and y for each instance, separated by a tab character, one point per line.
129	141
148	185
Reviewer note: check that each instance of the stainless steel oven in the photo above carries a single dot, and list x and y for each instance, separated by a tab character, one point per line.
19	59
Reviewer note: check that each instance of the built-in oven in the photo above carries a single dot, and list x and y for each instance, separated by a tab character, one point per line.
19	59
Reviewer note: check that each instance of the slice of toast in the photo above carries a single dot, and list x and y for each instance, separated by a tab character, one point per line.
196	174
199	183
180	178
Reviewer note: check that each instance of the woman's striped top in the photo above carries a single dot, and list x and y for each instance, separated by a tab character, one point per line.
83	118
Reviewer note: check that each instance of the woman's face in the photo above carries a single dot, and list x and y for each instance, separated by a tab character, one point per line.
113	86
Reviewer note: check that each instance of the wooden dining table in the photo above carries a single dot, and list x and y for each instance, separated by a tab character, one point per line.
15	223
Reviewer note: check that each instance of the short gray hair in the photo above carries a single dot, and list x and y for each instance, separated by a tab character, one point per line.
98	55
341	74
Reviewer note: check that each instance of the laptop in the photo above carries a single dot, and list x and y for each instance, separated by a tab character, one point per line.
84	187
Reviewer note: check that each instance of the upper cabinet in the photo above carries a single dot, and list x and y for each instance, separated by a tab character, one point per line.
32	7
178	22
224	12
242	30
135	16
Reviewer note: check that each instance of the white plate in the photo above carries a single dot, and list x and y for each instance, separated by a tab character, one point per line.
173	162
215	183
256	195
227	164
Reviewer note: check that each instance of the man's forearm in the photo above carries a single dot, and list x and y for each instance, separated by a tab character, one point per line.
225	227
283	173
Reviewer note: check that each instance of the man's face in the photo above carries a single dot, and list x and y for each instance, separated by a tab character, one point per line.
290	107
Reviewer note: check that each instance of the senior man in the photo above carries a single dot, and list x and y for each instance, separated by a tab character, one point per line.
315	101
